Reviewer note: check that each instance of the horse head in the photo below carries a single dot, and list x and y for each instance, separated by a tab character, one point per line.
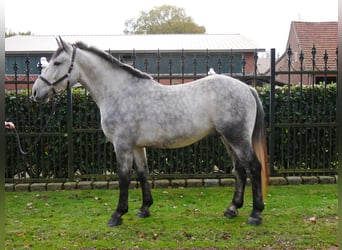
59	75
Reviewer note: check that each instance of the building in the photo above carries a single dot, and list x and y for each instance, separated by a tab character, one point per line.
155	54
312	49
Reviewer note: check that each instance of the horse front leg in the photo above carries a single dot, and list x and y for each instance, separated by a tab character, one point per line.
125	161
142	171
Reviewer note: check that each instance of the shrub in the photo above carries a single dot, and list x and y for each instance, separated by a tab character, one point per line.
305	137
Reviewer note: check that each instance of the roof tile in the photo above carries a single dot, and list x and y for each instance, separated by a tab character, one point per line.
322	35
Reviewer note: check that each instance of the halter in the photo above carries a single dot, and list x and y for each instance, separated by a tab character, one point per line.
67	75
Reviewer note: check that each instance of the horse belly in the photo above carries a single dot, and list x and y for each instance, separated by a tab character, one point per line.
175	139
183	142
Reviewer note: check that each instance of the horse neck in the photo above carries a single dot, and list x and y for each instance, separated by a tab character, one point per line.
99	77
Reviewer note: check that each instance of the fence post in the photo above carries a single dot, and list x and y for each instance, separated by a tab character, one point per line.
70	136
2	137
255	57
271	112
339	115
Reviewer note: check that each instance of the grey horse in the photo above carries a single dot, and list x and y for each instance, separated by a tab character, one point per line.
138	112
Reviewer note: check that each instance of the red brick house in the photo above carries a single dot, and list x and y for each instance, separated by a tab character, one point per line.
306	39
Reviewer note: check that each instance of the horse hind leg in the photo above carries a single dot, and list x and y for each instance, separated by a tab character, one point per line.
254	174
246	164
240	183
142	172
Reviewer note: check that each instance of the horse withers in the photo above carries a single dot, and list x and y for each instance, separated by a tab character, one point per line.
138	112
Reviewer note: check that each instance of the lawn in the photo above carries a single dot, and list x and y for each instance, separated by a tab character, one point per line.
295	217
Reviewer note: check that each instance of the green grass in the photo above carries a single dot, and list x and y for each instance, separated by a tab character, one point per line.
295	217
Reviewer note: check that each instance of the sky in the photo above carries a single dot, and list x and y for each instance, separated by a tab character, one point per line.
267	22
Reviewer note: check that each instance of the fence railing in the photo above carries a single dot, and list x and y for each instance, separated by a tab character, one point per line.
307	127
74	147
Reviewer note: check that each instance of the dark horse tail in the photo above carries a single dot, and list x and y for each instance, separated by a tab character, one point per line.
259	142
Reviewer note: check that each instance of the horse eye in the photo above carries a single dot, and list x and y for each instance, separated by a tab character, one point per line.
57	63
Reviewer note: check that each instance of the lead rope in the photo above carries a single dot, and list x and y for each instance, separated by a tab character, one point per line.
40	134
67	75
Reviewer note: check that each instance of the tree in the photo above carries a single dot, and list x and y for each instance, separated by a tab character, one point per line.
166	19
11	33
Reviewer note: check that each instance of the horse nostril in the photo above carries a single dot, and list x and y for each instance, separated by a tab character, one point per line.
34	94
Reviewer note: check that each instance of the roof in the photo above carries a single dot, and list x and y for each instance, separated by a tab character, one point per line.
141	43
322	35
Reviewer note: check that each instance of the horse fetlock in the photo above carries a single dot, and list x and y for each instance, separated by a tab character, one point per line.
148	203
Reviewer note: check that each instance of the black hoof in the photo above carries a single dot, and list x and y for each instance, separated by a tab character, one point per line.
230	214
254	221
143	214
114	221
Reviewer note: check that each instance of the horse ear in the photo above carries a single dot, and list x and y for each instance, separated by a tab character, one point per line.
59	44
62	43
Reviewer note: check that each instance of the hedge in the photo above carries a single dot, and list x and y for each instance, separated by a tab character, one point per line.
305	137
305	128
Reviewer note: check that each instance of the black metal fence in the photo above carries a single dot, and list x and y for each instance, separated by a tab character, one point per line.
304	118
301	134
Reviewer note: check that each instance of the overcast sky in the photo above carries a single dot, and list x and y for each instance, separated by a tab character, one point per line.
267	22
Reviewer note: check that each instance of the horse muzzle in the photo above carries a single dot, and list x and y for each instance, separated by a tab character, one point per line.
40	94
37	98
